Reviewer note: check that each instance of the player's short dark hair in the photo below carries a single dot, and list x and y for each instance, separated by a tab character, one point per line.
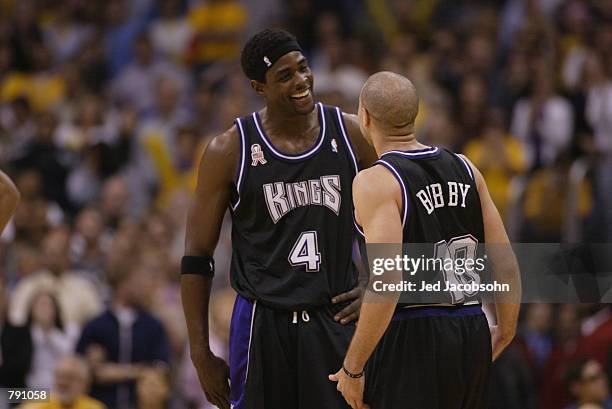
256	47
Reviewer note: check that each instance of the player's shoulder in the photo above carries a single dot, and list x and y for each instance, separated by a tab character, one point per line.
351	121
365	152
225	144
375	182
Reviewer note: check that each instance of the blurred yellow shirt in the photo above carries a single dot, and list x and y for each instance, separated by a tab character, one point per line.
546	196
497	176
218	21
43	91
84	402
171	179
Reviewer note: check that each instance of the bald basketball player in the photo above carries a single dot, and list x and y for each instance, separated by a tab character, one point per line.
9	198
428	356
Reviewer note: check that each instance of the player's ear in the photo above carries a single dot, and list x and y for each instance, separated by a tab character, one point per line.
258	87
365	115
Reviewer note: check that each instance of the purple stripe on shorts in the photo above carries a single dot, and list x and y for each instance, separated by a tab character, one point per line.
240	339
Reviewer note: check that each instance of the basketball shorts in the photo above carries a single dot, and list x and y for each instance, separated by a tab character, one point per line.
432	358
281	359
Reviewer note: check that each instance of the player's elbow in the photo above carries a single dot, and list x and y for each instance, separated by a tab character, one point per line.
9	194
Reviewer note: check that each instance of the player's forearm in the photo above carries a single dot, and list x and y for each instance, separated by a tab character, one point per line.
195	295
9	198
373	322
506	270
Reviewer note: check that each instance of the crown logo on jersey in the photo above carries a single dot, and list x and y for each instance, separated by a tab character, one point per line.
267	61
334	145
257	155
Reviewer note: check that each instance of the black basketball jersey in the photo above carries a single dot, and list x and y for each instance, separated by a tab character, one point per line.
440	207
292	228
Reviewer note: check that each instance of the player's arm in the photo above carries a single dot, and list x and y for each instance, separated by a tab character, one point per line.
377	199
366	155
9	198
204	220
505	269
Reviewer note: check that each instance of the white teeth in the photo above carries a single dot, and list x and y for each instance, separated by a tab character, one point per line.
301	94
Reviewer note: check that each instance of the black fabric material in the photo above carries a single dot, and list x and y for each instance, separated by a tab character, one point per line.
289	362
264	233
438	362
198	265
272	55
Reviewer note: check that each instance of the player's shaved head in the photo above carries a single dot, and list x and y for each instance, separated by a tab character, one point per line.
391	101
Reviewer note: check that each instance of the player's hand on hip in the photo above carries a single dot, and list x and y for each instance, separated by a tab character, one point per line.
350	312
213	373
500	339
350	388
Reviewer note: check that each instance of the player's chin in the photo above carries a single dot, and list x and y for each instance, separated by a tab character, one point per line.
303	105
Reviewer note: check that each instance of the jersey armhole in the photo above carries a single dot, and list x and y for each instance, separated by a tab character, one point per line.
405	202
469	169
347	139
241	169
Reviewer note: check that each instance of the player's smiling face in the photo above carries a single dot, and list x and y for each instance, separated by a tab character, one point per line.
289	84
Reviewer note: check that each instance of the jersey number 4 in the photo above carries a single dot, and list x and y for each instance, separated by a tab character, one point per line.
305	252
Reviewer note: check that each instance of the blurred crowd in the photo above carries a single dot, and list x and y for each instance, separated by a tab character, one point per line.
106	107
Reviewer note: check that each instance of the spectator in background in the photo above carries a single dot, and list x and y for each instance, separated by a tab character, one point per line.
599	117
126	161
125	339
535	339
498	169
136	83
35	213
566	334
43	155
152	389
89	242
77	295
16	128
171	32
331	65
544	203
89	126
159	130
44	87
115	201
588	384
544	121
217	26
51	339
177	168
66	34
71	383
471	107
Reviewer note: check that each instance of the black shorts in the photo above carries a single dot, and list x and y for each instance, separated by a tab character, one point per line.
281	359
432	358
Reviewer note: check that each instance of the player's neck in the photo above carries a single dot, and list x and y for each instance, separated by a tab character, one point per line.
397	143
278	122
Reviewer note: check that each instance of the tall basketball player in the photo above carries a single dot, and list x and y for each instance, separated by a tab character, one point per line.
434	356
9	198
286	174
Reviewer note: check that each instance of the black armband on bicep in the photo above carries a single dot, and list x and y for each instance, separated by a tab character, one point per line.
200	265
